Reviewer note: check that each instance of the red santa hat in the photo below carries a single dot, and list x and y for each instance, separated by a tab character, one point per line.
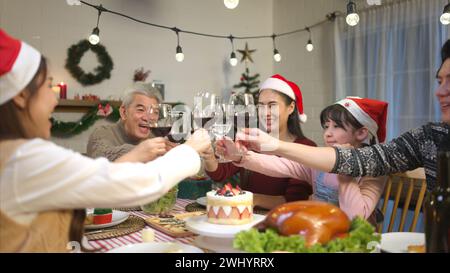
370	113
19	63
280	84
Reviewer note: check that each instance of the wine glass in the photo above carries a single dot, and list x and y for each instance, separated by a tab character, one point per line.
245	114
223	122
240	98
205	107
180	127
163	125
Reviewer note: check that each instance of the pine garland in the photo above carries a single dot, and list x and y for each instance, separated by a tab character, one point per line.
63	129
74	55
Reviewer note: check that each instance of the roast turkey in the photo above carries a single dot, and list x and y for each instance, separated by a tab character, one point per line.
318	222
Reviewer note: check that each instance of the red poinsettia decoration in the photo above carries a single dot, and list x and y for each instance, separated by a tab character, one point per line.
104	111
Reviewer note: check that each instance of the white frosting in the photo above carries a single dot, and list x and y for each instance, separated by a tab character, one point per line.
216	209
237	198
227	203
241	208
227	210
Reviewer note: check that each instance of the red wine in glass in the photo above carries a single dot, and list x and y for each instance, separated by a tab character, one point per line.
177	137
160	131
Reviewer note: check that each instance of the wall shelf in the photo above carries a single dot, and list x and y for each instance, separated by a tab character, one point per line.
83	106
80	106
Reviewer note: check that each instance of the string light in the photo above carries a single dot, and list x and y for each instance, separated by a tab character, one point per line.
179	56
352	18
233	59
231	4
276	54
309	45
445	17
73	2
94	38
374	2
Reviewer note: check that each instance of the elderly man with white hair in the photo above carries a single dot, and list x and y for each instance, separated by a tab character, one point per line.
116	141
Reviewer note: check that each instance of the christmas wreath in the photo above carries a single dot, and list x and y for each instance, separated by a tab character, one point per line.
102	72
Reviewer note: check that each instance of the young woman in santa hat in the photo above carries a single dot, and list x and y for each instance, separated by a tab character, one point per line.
413	149
352	121
44	188
280	109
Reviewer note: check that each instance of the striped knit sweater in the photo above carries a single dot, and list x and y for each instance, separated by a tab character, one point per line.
414	149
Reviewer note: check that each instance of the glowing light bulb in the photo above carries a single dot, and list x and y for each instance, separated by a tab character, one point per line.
309	46
233	59
276	56
352	19
445	17
73	2
231	4
94	38
179	56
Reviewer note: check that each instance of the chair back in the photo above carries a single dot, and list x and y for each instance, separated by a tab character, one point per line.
415	184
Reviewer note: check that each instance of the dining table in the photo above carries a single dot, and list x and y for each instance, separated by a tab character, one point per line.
105	245
393	242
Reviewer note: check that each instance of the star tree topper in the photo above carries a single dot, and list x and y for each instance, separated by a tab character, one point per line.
246	54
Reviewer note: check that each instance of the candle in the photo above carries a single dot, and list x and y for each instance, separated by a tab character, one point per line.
148	235
62	90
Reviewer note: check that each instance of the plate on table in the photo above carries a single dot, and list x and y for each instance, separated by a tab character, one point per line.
117	218
201	201
200	225
218	245
157	247
398	242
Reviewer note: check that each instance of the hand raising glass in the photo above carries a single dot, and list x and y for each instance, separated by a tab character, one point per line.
257	140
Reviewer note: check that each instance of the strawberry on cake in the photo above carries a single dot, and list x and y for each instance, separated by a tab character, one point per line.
229	206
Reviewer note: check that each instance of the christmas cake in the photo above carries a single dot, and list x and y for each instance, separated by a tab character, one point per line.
229	206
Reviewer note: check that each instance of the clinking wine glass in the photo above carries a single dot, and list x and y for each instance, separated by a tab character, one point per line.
223	122
180	126
163	126
245	114
205	106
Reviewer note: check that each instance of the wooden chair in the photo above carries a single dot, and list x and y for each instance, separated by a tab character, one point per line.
413	197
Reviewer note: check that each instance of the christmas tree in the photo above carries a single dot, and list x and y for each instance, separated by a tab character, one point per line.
249	82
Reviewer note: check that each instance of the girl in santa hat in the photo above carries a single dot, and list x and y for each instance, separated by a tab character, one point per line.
44	187
280	109
352	121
